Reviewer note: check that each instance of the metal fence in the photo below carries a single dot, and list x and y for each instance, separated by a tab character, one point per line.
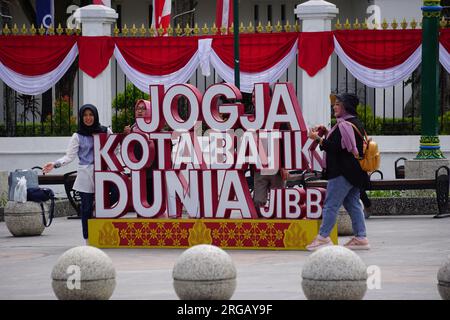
390	111
394	110
53	113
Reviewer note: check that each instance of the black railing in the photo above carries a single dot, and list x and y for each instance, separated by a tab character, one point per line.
28	116
394	110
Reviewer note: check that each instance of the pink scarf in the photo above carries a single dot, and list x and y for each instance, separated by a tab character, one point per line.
147	115
348	141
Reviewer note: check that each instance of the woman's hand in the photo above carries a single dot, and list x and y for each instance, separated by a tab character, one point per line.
313	134
321	129
284	174
48	167
127	130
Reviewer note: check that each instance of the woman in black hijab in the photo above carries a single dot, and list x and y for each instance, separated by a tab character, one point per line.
85	129
82	145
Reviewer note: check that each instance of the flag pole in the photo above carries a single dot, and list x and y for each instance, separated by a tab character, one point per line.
236	43
429	141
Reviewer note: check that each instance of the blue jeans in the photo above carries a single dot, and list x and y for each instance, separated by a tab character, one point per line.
87	207
341	192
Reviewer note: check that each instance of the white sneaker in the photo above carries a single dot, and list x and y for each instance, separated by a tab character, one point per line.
319	242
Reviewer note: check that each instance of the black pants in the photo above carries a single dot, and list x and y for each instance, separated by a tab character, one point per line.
87	207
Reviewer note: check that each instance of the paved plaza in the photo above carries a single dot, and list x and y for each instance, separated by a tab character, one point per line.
408	251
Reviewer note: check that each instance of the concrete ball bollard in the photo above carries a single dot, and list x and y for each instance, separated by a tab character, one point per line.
204	272
83	273
334	273
443	277
344	223
24	219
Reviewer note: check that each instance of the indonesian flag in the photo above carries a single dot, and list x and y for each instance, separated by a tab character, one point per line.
161	14
224	14
106	3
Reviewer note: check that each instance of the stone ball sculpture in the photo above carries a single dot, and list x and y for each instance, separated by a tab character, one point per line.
83	273
443	277
24	219
334	273
204	272
344	223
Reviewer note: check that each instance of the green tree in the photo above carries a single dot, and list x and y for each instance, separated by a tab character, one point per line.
123	107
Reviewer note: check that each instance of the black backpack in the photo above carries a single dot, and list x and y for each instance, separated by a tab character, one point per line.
41	195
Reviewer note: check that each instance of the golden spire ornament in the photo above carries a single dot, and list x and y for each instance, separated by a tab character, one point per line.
205	29
24	29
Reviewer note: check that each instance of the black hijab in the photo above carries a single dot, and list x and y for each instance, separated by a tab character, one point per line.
89	130
350	102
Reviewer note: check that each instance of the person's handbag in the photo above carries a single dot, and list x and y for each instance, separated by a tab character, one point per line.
41	195
14	176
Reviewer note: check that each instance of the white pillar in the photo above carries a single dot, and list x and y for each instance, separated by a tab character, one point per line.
314	16
97	20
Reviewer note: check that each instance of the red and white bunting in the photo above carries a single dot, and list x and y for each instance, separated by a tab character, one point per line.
379	78
379	58
31	65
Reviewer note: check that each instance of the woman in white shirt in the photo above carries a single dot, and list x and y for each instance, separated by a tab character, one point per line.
82	145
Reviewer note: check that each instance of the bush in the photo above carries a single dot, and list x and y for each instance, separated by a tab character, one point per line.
3	198
384	193
123	107
63	122
445	124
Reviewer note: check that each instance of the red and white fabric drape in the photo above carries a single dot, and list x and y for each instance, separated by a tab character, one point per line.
174	60
161	60
264	58
444	49
145	61
314	51
32	65
377	58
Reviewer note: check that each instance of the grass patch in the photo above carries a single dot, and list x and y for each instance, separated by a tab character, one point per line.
401	194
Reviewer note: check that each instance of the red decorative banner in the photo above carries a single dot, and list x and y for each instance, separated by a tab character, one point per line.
32	55
224	233
379	49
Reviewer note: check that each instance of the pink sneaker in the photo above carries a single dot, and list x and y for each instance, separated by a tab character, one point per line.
319	242
358	244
